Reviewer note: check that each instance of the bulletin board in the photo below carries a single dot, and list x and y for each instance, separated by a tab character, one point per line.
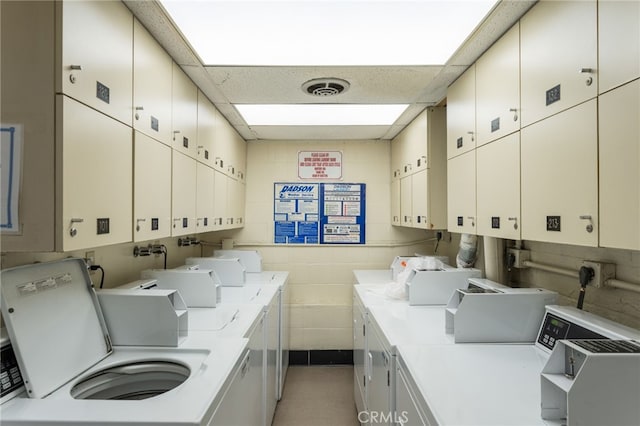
319	213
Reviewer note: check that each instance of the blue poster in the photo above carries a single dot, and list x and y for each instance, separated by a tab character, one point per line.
319	213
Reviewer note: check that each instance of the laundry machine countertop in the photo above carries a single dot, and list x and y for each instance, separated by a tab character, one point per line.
471	384
210	361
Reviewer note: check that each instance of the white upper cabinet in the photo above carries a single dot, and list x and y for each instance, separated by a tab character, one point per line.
461	114
498	188
220	207
152	73
206	129
559	58
498	88
184	113
618	43
95	178
395	202
406	201
559	171
205	188
619	161
461	193
151	189
96	61
183	194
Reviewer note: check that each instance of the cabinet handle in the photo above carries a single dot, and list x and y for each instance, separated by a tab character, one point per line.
515	113
589	227
176	219
472	138
175	132
419	161
589	79
72	76
138	224
370	367
472	219
139	108
515	222
73	231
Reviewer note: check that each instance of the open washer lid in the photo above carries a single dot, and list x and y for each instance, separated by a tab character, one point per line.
54	322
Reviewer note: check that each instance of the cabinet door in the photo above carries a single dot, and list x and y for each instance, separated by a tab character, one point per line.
618	43
95	161
395	202
240	158
396	157
184	113
461	193
620	167
420	200
558	57
498	88
559	171
205	188
220	201
379	386
498	188
152	71
271	360
407	409
235	204
406	209
233	409
183	195
359	354
96	46
151	189
224	135
461	114
206	129
255	375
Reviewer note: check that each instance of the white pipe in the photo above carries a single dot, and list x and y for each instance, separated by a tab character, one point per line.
611	282
622	285
554	269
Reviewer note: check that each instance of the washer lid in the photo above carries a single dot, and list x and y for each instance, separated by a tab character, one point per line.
54	322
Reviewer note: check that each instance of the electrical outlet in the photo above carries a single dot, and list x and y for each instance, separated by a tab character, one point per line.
602	272
519	257
90	258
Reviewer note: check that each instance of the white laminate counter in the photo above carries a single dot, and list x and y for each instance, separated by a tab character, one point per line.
472	384
373	276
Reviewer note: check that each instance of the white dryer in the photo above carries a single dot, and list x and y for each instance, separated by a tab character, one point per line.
71	372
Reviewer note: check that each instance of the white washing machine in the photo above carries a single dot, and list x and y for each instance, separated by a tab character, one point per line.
481	384
72	374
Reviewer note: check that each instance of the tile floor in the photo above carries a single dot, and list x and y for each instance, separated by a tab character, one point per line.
317	396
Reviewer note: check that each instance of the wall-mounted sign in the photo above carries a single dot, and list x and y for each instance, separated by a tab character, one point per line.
320	164
319	213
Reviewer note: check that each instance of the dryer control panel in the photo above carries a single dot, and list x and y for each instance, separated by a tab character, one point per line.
10	377
555	328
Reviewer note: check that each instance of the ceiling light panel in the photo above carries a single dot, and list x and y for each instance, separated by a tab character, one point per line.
308	32
320	115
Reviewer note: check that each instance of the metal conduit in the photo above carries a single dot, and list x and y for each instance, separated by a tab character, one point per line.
611	282
549	268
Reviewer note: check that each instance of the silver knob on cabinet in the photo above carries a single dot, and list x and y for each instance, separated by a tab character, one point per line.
73	231
471	133
472	219
515	113
589	79
589	226
138	224
515	222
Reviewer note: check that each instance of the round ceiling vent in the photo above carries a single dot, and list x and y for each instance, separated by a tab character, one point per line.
325	86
